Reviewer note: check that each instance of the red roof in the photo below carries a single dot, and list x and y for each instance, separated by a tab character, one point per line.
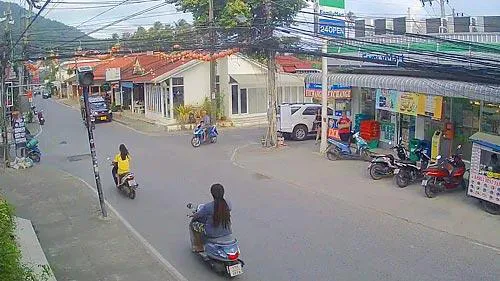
291	64
83	63
151	66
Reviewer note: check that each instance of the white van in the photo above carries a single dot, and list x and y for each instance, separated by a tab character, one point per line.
296	120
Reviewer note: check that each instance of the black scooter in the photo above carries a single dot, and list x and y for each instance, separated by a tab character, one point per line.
384	165
409	171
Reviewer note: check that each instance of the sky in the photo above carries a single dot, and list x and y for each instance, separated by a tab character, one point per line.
76	12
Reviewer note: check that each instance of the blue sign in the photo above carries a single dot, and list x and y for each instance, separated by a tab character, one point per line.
332	28
317	86
396	59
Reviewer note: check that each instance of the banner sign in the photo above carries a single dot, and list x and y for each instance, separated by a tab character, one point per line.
386	100
395	101
431	106
383	57
332	28
313	90
340	4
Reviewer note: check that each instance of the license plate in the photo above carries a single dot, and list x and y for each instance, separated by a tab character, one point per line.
235	270
132	183
103	118
396	171
424	182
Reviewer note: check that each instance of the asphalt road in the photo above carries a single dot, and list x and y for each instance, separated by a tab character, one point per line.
285	233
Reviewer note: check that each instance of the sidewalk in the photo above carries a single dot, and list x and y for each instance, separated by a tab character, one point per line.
78	242
302	167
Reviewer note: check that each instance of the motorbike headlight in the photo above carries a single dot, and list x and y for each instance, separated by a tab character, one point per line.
93	113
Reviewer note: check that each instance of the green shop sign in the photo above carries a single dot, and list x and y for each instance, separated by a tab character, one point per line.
340	4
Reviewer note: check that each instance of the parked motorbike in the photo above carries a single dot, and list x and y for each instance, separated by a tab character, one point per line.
127	184
221	254
199	136
338	150
410	171
384	165
33	151
447	174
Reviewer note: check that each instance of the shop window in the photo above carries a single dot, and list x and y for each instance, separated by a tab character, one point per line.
465	117
257	102
243	101
489	163
178	91
178	81
490	122
234	99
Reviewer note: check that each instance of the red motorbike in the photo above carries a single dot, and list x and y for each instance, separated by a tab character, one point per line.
445	175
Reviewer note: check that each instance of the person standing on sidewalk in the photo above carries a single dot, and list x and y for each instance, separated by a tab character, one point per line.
317	125
344	127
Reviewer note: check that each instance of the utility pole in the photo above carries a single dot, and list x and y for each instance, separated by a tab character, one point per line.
442	28
214	96
6	51
324	85
272	133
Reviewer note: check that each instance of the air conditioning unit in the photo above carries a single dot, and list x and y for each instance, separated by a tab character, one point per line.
473	24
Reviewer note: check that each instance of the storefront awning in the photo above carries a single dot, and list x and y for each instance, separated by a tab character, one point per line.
488	140
485	92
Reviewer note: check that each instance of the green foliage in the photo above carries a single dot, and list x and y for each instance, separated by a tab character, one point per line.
11	267
183	112
228	13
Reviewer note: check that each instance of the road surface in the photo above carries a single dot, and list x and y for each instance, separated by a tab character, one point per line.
285	233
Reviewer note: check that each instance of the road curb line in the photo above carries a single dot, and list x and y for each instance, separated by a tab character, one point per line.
167	265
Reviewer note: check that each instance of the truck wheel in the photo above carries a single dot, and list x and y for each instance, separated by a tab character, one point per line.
300	132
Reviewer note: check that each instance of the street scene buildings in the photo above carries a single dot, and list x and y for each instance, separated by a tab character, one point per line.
328	140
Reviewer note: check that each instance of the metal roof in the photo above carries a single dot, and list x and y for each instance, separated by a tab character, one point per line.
475	91
488	140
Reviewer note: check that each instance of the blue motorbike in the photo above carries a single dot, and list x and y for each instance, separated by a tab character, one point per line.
338	150
33	151
221	254
199	136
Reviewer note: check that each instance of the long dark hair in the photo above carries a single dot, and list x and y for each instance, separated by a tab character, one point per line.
222	214
123	151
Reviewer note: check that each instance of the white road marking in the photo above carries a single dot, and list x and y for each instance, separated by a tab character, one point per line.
168	266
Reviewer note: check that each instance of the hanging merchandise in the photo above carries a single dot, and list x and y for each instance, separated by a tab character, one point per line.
407	103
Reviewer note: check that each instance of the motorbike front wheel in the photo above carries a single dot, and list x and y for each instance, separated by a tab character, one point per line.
333	154
35	157
402	179
430	191
213	139
195	141
377	171
365	155
131	194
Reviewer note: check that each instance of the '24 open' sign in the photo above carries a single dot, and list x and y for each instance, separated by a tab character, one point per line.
332	28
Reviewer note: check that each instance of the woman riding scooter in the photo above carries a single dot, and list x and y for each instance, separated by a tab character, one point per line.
213	220
121	164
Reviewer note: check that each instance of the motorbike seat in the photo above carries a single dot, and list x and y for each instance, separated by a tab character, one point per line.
224	240
407	162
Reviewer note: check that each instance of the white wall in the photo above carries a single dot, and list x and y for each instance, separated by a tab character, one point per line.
239	65
196	84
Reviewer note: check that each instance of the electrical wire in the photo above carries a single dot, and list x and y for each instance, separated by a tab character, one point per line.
31	22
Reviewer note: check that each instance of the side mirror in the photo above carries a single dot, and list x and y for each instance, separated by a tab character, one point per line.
108	159
438	157
189	205
459	146
390	143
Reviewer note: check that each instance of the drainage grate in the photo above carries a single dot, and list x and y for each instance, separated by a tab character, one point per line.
80	157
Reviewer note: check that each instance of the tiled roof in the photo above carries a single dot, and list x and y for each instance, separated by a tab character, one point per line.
291	64
152	66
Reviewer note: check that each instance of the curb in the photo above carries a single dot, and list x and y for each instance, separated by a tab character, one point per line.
167	265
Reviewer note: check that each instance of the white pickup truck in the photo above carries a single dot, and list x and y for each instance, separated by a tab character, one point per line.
296	120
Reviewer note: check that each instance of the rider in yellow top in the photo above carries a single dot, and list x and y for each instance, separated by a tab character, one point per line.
121	164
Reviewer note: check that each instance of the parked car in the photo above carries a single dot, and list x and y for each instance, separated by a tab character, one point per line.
99	109
46	94
296	120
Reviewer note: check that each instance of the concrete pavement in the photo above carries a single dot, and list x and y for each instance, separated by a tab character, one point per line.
453	213
78	242
286	232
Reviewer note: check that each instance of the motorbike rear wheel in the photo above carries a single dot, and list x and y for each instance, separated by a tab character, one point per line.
377	171
365	155
195	141
333	154
213	139
430	191
402	179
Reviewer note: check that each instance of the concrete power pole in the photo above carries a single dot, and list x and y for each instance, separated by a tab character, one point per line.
6	52
214	96
22	69
272	133
442	28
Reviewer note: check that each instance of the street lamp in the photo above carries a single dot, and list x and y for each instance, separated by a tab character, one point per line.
85	75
